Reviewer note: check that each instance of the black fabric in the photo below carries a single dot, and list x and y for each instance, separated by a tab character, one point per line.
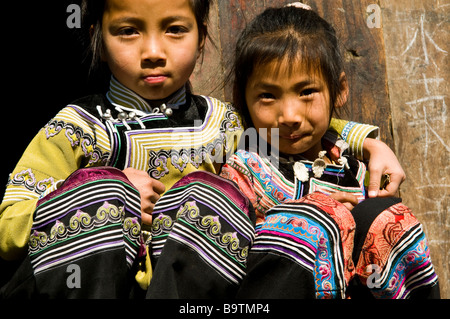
274	277
102	276
182	274
22	284
364	214
426	293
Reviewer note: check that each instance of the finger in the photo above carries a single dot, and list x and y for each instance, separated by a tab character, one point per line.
146	218
154	197
374	183
151	191
146	211
344	197
158	187
348	205
350	199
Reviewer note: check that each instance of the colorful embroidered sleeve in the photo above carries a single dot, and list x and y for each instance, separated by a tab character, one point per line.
70	141
354	134
236	171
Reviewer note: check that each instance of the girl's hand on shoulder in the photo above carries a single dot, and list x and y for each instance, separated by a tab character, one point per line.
382	161
149	190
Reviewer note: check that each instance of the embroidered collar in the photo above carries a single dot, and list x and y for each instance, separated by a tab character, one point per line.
120	94
333	145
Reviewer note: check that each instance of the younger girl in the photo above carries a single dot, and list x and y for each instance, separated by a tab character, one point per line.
91	176
289	76
317	236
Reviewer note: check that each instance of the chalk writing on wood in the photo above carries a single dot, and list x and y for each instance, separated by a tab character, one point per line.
417	58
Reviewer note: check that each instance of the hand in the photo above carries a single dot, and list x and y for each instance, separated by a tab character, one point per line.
149	190
347	199
382	160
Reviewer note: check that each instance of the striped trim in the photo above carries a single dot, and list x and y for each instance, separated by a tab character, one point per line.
204	193
309	237
355	134
89	243
327	188
160	150
408	267
209	251
15	194
75	222
90	125
200	217
83	196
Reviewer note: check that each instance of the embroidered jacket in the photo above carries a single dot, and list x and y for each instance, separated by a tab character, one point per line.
121	129
268	182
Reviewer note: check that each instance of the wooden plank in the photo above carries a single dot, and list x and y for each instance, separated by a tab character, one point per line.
416	35
233	16
363	50
209	75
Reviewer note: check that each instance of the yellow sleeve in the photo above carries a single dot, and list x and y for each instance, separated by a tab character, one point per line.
233	131
354	134
59	149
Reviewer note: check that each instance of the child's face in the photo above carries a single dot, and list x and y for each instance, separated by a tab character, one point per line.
151	46
292	100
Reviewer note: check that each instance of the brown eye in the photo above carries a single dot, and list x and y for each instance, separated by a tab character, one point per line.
127	32
177	30
308	92
266	96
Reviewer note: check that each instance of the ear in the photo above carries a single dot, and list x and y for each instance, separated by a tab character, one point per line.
344	91
202	40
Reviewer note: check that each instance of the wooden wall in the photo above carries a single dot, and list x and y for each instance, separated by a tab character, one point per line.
416	37
398	73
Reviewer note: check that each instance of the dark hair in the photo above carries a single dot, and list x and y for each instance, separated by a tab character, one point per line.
286	33
92	16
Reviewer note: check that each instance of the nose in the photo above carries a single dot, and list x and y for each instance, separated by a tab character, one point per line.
290	113
153	49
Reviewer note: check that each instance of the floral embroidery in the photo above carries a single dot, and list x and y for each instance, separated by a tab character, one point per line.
158	164
181	158
77	138
82	222
27	179
208	225
305	239
231	121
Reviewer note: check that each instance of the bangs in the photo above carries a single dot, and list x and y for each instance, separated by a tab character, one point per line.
288	54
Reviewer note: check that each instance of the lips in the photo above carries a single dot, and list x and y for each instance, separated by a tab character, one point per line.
291	136
155	78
